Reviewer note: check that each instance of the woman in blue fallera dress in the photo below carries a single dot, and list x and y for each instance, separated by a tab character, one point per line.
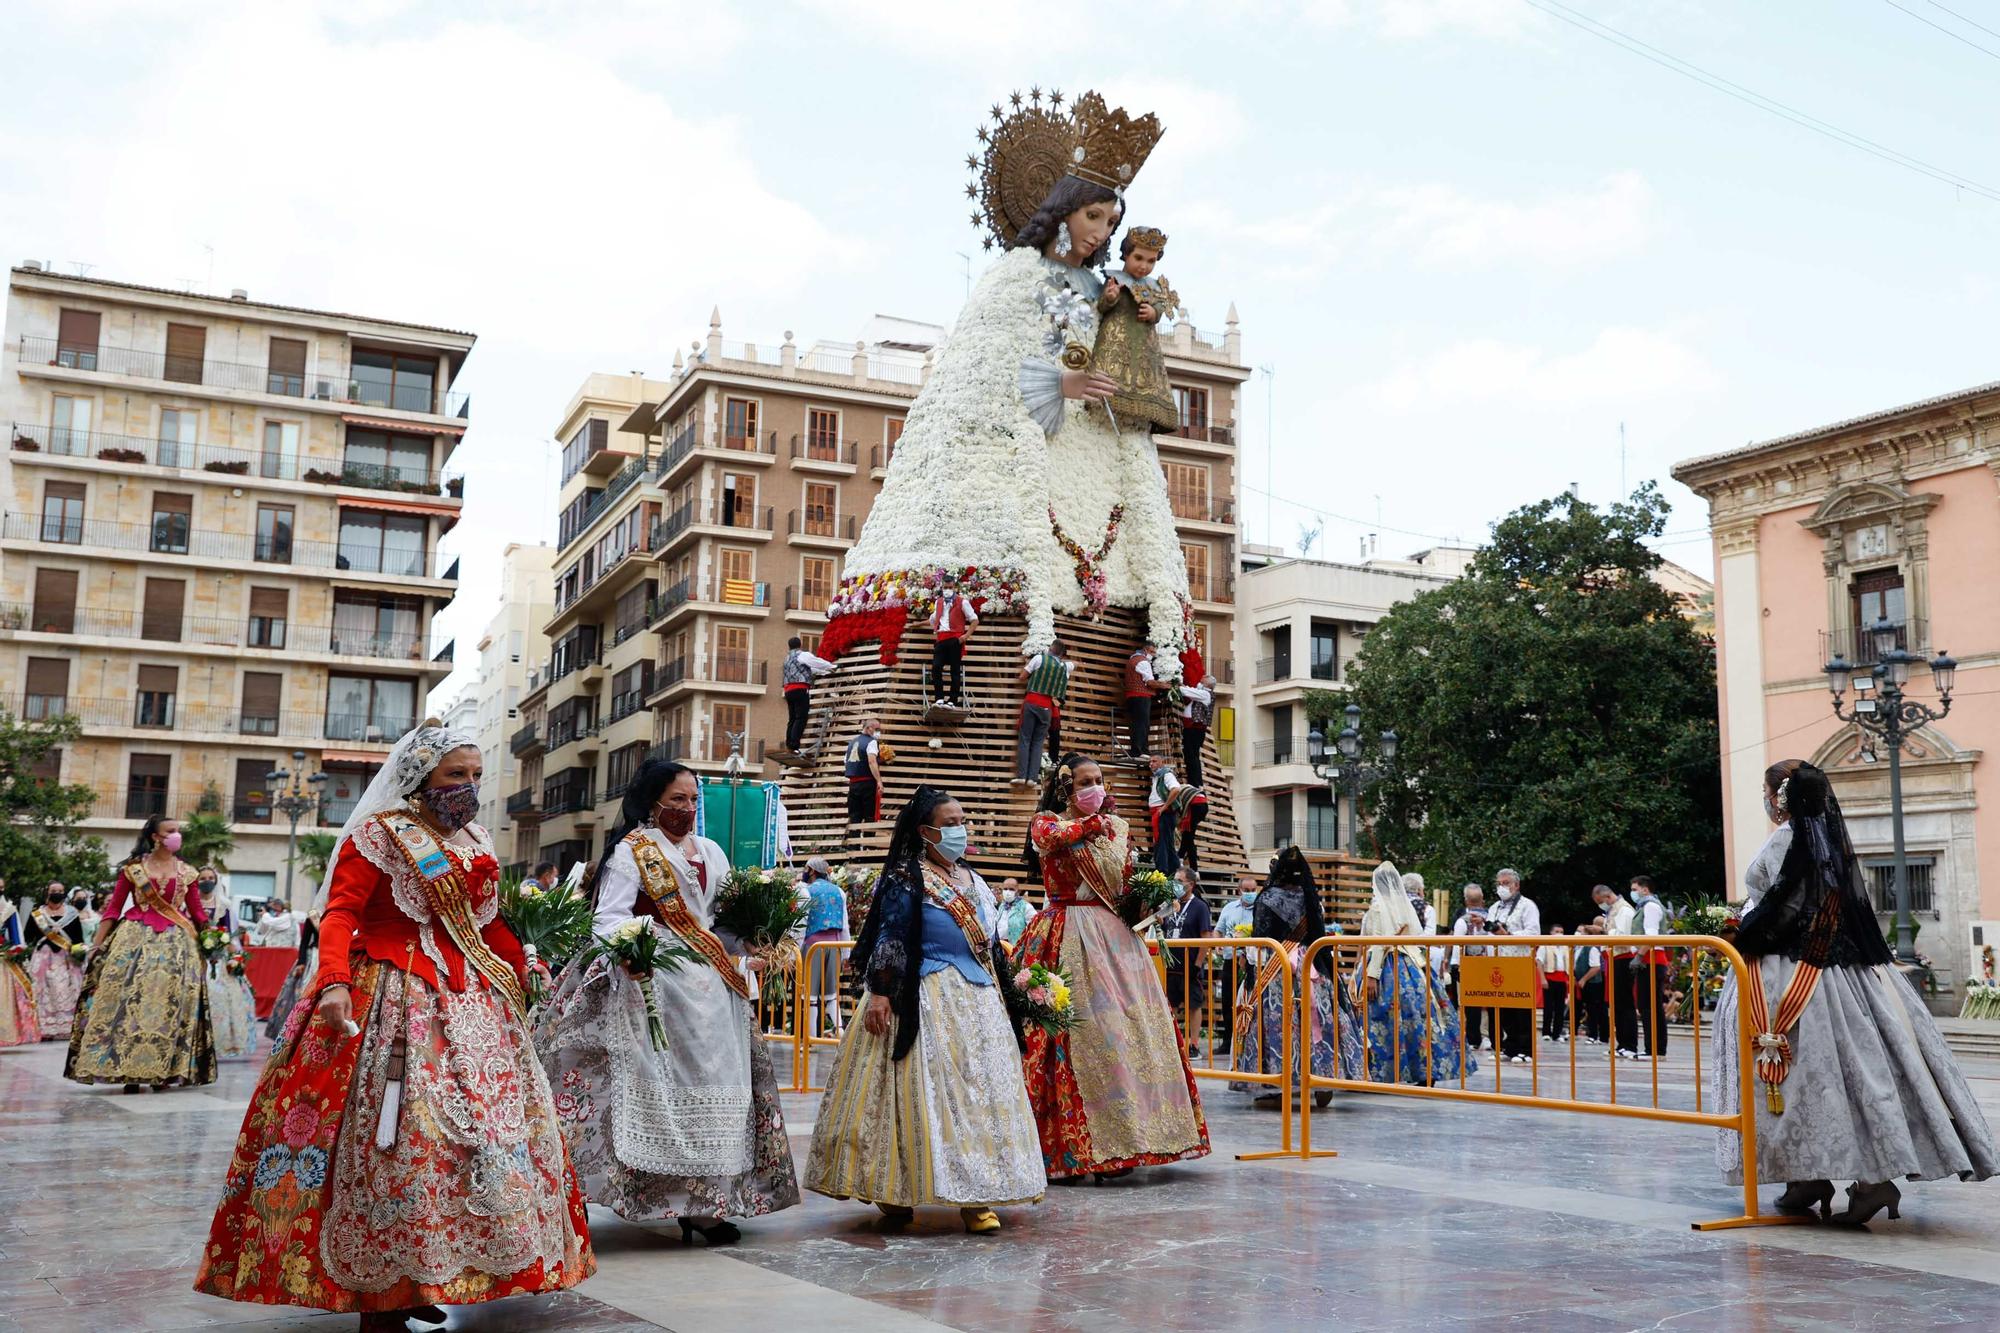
1413	1034
1288	909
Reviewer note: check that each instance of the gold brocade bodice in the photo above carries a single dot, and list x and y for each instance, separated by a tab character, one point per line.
1129	352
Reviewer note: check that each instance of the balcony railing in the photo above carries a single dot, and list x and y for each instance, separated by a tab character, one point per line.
1274	836
623	481
841	528
808	450
210	631
526	739
524	802
183	716
813	600
1192	507
373	728
631	701
745	593
880	456
1216	588
1282	750
322	386
691	439
1270	669
1858	645
566	793
1206	432
212	545
567	731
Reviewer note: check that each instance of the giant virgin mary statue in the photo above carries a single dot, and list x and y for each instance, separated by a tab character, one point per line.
1014	475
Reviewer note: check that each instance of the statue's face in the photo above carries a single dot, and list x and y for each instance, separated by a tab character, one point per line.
1140	262
1090	227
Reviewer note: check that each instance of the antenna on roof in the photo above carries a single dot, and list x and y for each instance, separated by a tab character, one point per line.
82	268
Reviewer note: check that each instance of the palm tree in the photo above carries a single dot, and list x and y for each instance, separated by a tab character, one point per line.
206	836
315	850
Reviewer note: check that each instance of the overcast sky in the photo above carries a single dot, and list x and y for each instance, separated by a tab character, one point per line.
1470	237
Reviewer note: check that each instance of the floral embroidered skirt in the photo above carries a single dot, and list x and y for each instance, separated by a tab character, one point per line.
19	1023
1405	1001
142	1016
235	1012
1873	1094
1115	1091
474	1199
675	1133
1260	1032
58	981
949	1123
288	998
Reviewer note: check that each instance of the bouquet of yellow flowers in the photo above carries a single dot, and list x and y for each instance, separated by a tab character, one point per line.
1045	999
634	946
1146	892
1243	930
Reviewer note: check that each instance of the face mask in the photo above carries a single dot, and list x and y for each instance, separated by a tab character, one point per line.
1638	897
1771	810
454	806
676	820
1006	895
208	886
1090	799
1504	892
950	842
1246	898
171	841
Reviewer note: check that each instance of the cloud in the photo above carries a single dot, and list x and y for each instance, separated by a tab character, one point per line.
1621	365
1416	20
949	29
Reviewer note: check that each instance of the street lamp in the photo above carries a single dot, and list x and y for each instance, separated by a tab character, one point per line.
1882	713
294	795
1341	770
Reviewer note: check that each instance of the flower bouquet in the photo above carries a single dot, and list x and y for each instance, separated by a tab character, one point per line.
552	925
634	946
214	943
1243	930
1146	892
759	907
1045	999
77	952
235	965
17	953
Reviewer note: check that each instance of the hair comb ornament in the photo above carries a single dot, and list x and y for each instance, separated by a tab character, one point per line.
1028	148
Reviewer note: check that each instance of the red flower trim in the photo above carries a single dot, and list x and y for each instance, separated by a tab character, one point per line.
882	624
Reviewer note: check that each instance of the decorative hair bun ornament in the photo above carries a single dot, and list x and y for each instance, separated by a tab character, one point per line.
1030	147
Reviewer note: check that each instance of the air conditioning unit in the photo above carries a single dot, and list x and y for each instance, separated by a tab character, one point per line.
323	390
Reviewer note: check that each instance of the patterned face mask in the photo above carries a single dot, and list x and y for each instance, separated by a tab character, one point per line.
453	807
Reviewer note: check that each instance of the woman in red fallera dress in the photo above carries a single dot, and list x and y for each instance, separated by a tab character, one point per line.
401	1151
1114	1092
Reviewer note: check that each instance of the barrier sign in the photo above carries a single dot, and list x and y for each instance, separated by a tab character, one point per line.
1498	983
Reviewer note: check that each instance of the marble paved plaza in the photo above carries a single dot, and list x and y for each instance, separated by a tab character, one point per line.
1434	1216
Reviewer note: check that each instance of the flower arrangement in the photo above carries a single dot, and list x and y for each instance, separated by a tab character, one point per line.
235	966
635	946
78	952
1089	565
552	925
1072	331
760	907
214	944
1146	892
1045	999
1242	930
17	953
858	883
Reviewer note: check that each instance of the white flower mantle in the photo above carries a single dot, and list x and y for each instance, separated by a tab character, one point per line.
974	481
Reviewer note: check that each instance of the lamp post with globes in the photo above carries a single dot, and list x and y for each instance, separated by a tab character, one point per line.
1342	770
1883	712
295	795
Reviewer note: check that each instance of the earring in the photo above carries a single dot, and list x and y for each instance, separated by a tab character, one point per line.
1063	243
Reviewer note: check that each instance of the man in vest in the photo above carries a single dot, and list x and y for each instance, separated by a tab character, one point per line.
800	670
1161	814
1045	684
1652	980
1140	682
863	766
1197	707
952	621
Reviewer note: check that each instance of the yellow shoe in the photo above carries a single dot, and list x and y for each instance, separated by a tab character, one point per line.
980	1221
896	1212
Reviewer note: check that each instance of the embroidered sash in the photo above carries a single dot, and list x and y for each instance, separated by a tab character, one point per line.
1773	1038
661	883
56	933
444	891
959	908
149	898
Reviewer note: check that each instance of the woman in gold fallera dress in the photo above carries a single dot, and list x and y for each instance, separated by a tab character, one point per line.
926	1103
142	1019
19	1024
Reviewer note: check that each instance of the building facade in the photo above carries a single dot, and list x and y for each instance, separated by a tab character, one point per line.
508	651
221	543
1818	535
1299	626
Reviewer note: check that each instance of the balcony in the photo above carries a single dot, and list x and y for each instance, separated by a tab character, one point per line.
185	718
747	520
211	545
809	602
211	632
627	477
1858	645
742	595
1190	507
1274	836
569	730
1219	590
690	444
447	654
825	455
879	458
1202	432
372	729
669	675
322	386
526	741
630	702
524	803
1282	750
567	792
1273	669
826	529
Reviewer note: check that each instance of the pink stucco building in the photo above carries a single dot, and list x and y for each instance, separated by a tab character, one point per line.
1817	535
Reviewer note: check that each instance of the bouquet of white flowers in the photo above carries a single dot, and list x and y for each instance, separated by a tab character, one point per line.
636	947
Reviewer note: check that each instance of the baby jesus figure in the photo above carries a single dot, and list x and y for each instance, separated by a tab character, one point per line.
1128	344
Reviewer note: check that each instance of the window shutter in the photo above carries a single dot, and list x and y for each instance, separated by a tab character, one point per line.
152	766
55	601
262	692
187	344
269	603
49	676
166	502
158	679
162	619
288	356
64	490
79	329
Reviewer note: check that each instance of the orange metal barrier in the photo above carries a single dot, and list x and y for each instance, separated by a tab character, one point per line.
1743	1121
810	1029
1273	967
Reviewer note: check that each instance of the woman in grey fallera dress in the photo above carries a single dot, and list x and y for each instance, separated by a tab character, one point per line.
1855	1081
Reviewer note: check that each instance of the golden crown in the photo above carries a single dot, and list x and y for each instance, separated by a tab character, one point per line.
1030	147
1146	238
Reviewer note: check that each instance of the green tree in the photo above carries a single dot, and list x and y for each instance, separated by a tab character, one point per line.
1556	713
315	850
38	838
206	836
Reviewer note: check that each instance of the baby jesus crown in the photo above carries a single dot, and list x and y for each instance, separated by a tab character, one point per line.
1147	238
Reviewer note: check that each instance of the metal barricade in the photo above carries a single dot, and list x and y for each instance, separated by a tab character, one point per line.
1505	989
1189	961
777	1000
808	1018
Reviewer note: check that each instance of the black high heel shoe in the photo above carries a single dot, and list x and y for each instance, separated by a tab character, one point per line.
715	1233
1803	1196
1864	1201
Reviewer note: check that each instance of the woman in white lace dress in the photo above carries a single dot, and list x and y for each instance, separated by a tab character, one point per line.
1856	1082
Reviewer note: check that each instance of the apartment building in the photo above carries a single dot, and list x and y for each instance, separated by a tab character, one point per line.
508	651
221	542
